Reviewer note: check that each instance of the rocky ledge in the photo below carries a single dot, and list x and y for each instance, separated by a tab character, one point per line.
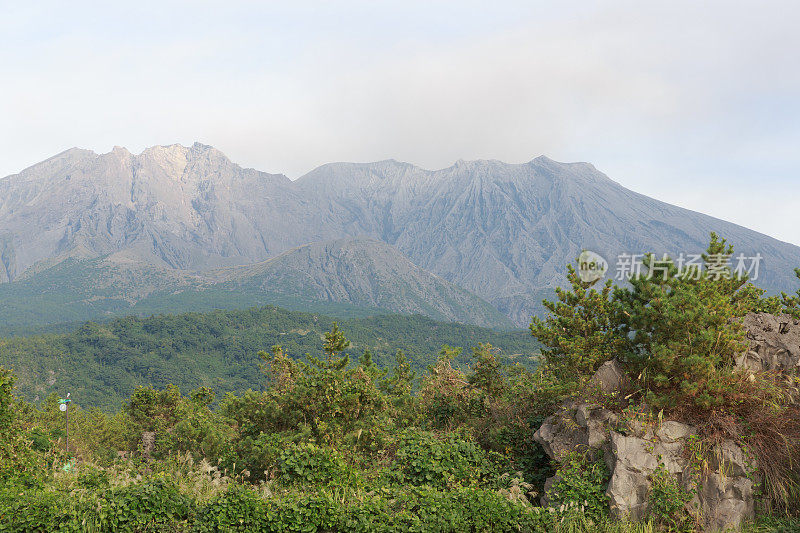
633	446
633	450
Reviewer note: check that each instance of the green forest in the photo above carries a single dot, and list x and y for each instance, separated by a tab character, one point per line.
343	428
101	364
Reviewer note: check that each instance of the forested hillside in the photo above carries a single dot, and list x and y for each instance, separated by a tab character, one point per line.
102	363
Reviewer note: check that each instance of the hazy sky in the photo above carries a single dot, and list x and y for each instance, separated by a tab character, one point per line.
694	103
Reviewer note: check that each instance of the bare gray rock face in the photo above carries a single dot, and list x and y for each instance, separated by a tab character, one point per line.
186	208
724	502
634	449
631	464
501	231
724	495
610	377
773	343
575	427
505	232
561	434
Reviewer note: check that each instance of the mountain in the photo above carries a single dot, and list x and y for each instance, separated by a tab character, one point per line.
505	232
362	273
501	231
180	207
350	277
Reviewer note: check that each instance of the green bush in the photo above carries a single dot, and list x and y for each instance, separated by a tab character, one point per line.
21	461
427	458
581	483
240	508
308	463
683	329
150	505
35	510
581	330
258	456
156	504
397	510
667	500
93	478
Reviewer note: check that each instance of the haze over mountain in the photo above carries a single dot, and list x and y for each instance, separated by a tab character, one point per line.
503	232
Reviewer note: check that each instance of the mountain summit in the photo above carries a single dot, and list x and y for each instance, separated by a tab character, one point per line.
502	231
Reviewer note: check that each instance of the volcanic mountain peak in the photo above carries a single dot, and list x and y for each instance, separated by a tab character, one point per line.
502	231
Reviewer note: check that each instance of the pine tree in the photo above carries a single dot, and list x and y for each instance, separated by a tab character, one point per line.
401	381
333	400
580	331
365	361
486	374
683	327
335	342
791	304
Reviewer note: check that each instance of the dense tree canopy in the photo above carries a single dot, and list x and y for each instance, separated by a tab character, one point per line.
102	364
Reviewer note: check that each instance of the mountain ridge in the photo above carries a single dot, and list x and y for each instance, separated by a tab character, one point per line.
501	231
347	277
364	272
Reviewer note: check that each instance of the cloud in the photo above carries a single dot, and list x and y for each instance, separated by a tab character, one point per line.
684	101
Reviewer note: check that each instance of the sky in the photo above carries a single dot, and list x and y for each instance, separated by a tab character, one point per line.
693	103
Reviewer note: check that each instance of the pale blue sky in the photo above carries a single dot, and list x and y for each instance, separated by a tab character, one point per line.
693	104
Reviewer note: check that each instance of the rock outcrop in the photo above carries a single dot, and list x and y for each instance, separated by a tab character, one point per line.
610	377
773	343
633	447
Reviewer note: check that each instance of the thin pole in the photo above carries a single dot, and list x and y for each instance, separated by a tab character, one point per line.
67	442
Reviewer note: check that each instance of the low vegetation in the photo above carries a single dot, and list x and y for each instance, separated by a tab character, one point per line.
333	441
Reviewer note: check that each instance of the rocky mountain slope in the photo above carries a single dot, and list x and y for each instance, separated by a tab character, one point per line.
501	231
350	277
506	231
363	273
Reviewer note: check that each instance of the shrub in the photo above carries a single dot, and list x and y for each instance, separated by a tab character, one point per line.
667	500
239	508
154	505
34	510
151	505
460	509
446	396
326	398
259	456
684	328
426	458
318	512
581	330
581	482
21	462
6	400
309	463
